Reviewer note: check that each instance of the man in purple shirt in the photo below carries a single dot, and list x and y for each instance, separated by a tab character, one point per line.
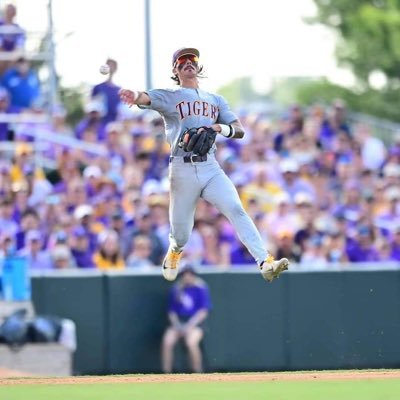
362	249
80	248
108	93
188	306
37	259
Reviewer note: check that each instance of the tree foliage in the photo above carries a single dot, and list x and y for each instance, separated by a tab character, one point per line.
369	35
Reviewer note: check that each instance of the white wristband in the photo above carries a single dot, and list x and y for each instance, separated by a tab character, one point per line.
226	130
136	95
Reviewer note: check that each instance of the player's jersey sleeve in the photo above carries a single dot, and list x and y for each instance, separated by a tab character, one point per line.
226	115
160	100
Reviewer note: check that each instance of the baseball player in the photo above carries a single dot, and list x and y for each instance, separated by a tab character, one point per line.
192	119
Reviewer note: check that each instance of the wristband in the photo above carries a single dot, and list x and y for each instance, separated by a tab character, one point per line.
227	130
136	95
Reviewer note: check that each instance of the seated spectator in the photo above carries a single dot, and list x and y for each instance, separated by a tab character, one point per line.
140	254
314	254
108	254
7	222
29	221
107	92
188	307
12	37
37	259
92	122
6	129
240	255
7	245
395	245
20	197
144	226
83	215
286	247
22	83
62	257
262	189
335	245
215	251
80	249
362	248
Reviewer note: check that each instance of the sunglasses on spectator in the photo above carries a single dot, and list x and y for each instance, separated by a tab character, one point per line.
182	60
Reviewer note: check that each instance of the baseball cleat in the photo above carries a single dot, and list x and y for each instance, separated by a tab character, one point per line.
170	265
271	268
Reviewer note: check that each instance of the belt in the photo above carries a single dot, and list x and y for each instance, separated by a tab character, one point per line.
191	159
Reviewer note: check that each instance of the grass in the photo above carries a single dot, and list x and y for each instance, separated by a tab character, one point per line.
385	389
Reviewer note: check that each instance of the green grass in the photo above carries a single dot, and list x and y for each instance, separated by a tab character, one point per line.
385	389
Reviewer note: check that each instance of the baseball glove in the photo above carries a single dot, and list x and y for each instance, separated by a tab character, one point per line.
198	140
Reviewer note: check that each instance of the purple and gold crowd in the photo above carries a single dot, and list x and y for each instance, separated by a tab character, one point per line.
321	191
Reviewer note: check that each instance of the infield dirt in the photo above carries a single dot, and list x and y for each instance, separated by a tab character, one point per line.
15	378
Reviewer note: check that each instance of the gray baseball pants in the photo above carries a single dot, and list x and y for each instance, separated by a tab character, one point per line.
207	180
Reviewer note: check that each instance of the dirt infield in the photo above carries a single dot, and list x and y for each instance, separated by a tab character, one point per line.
226	377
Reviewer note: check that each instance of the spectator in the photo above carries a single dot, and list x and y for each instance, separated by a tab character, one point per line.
395	244
83	214
22	83
6	129
108	254
7	223
107	93
140	254
91	127
188	307
143	226
37	259
314	254
62	257
29	221
362	249
80	249
286	246
12	37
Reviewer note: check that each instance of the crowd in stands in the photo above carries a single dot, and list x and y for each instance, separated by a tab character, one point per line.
321	191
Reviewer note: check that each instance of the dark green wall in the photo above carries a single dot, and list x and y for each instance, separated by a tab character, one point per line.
320	320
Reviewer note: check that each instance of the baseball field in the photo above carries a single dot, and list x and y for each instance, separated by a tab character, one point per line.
321	385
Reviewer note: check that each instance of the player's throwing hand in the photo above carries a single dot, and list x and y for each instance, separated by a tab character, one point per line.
128	96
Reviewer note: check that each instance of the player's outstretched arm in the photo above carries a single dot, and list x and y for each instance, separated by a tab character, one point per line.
131	97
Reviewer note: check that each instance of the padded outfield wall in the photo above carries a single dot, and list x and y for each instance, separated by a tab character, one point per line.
307	320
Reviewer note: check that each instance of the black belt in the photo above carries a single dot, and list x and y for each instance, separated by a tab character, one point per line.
191	159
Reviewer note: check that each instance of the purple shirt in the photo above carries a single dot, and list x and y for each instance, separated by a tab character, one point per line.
109	91
41	261
187	301
356	253
83	259
240	256
395	253
87	123
11	41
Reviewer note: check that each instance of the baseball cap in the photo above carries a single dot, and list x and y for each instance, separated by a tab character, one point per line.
33	235
289	165
82	211
92	171
183	52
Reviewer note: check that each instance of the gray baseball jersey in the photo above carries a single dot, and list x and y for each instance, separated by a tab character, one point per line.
185	108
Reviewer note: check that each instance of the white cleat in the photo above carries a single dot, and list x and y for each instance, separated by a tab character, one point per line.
271	268
170	265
